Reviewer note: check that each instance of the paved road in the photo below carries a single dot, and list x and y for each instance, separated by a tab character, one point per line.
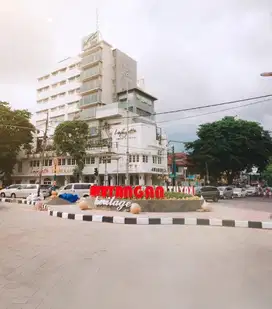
52	263
255	203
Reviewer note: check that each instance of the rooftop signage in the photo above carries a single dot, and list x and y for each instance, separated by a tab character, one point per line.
90	40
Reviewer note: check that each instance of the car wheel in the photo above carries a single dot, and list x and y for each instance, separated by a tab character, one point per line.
232	197
215	199
13	195
3	194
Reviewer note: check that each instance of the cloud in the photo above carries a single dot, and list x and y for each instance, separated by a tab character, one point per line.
190	52
26	43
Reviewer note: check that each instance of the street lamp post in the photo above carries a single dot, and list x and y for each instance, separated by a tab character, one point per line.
43	152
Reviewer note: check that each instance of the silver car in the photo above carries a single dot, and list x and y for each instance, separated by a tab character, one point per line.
226	192
8	190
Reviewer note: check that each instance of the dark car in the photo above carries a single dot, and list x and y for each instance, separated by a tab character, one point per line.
208	193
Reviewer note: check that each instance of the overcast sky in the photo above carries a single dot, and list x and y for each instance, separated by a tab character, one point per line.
189	52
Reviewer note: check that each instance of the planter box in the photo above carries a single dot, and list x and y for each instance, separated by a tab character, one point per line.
169	205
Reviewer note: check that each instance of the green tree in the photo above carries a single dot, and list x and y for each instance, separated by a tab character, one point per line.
267	173
72	138
229	146
16	132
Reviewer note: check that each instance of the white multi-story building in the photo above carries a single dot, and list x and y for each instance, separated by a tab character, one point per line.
58	94
98	86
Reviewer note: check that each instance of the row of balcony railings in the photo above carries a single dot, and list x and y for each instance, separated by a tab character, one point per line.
90	99
90	85
89	59
91	72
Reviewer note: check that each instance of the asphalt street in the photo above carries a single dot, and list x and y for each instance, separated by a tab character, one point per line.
52	263
254	203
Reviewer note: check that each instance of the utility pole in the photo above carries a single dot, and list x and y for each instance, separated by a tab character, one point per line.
127	153
207	173
43	151
173	165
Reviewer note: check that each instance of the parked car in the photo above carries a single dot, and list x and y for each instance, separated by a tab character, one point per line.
239	192
7	191
24	190
208	193
226	192
46	190
251	191
81	189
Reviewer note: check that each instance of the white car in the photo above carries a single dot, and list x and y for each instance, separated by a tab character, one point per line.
239	192
251	191
24	190
81	189
7	191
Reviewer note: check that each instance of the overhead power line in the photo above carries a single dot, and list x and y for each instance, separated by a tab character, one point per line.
213	105
189	109
215	112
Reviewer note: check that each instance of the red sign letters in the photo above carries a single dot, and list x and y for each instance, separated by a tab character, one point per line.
127	192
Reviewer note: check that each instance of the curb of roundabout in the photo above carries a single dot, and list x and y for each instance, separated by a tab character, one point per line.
265	225
18	201
162	220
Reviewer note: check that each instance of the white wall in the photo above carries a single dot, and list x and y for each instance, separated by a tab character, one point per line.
107	74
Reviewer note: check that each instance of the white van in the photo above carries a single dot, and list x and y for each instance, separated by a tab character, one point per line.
81	189
24	190
7	191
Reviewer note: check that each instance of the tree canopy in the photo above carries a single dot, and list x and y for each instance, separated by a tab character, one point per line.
72	138
230	146
15	132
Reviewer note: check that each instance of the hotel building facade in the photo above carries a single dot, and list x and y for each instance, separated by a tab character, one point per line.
100	87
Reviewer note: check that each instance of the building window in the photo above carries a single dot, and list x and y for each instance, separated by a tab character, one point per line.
159	160
69	161
47	181
34	163
45	163
73	162
103	160
50	162
55	85
63	82
154	158
71	79
92	160
130	158
87	161
93	131
53	97
61	95
145	159
137	158
20	167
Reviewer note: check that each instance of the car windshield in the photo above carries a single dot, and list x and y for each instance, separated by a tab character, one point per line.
45	186
221	188
237	189
13	186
